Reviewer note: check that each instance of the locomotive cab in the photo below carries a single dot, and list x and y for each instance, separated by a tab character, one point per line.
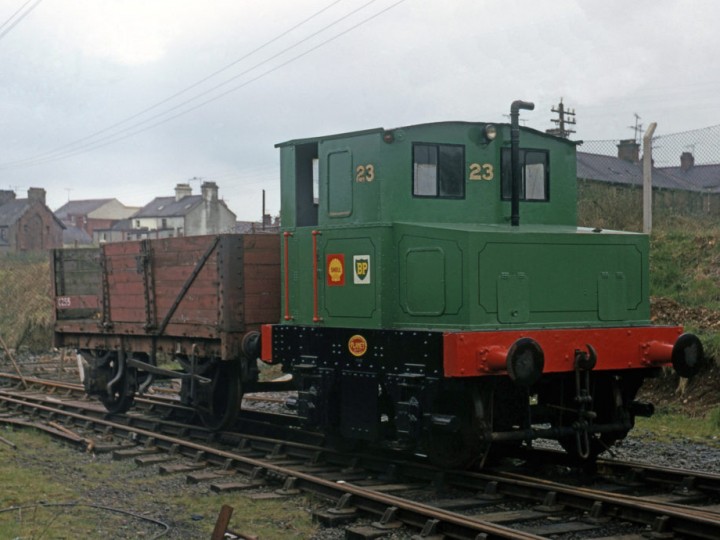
419	311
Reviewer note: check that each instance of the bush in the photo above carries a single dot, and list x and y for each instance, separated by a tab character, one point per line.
26	310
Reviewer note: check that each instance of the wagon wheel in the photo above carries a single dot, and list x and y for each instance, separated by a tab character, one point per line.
218	402
462	447
122	394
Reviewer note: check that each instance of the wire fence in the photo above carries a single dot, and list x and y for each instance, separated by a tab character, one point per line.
703	144
685	178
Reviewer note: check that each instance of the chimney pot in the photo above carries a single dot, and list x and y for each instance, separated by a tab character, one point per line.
36	194
629	150
209	191
687	161
6	196
182	191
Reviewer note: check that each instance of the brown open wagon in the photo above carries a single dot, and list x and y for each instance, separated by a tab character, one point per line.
199	301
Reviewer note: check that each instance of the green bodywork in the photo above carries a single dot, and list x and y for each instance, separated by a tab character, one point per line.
448	263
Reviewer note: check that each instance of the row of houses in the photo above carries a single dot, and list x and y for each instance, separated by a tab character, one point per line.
28	225
695	189
108	220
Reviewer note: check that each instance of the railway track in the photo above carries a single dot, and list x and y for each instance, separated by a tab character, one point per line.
620	499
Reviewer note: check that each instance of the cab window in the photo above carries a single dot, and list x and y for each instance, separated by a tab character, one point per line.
439	170
535	178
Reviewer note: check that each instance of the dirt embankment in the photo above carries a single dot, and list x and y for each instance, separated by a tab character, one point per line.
701	394
667	311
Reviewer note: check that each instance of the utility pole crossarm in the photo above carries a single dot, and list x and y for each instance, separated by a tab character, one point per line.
566	117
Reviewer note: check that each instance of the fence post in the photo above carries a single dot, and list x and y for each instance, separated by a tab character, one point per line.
647	178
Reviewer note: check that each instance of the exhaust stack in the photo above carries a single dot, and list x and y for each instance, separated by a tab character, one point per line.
515	157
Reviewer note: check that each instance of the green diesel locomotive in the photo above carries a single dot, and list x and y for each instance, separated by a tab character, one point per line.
437	295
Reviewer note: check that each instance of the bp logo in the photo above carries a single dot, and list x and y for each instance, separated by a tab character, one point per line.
361	269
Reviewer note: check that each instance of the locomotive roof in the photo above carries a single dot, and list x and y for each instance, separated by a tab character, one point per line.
379	130
524	228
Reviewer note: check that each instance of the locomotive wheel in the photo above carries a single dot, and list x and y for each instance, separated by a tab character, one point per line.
459	448
123	391
218	402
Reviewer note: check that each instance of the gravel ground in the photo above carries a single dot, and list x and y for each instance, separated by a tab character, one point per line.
641	445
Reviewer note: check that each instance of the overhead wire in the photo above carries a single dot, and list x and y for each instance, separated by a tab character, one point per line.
14	14
136	128
133	129
111	139
184	90
3	33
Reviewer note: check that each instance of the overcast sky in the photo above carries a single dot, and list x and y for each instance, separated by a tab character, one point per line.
126	98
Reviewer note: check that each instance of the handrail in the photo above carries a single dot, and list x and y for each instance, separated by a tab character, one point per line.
286	237
316	315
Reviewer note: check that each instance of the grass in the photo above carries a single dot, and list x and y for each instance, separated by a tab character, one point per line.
26	474
685	262
671	423
685	267
279	518
42	471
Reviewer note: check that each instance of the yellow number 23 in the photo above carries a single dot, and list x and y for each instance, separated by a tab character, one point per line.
481	171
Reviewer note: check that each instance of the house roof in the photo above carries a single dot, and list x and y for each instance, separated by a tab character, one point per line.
80	208
168	207
617	171
122	225
76	235
11	211
706	177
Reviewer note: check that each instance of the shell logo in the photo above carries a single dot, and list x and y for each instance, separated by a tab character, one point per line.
336	269
357	345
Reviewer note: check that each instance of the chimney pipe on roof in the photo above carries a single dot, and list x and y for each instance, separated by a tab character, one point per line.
629	150
687	161
6	196
209	192
36	194
182	190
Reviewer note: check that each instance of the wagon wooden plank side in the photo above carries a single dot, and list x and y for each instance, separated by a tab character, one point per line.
200	293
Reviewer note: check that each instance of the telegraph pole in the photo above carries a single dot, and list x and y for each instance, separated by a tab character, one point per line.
647	178
566	117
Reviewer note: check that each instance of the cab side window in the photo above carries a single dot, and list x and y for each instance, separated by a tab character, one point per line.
534	185
439	170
